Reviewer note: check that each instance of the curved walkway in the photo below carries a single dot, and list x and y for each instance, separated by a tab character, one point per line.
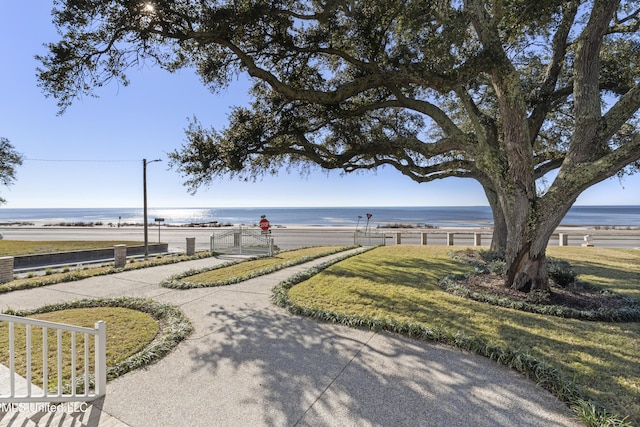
254	364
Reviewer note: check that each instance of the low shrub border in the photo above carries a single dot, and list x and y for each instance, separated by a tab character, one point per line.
174	328
544	375
36	282
176	282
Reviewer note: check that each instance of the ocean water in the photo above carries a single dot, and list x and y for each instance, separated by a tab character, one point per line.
453	216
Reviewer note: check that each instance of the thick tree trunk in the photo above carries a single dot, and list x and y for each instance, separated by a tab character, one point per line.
499	238
527	244
528	272
525	255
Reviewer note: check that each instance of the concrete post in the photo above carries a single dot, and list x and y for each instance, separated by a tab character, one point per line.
6	269
450	239
100	343
477	239
588	243
119	256
191	246
398	238
563	239
423	238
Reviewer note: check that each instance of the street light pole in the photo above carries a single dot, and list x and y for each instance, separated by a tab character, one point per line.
144	194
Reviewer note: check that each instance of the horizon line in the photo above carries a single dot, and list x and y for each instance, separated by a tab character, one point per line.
296	206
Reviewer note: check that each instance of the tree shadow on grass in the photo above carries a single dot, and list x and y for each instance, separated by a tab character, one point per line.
384	292
413	272
606	370
626	282
612	268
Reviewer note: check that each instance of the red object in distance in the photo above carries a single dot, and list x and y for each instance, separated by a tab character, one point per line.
264	224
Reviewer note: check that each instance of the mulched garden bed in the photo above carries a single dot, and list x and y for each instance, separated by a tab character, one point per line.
575	300
579	295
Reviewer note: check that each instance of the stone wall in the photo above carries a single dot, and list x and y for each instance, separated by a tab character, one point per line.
74	257
6	269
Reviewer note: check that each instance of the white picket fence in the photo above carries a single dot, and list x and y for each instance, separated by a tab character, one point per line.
14	388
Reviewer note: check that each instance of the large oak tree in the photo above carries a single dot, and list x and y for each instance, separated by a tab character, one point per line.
501	91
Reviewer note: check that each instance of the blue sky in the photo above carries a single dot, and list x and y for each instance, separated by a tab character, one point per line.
91	156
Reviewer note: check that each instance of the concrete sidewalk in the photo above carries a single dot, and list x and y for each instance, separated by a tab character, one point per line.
251	363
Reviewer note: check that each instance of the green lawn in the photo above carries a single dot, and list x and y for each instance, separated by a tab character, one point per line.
245	268
128	332
399	283
235	272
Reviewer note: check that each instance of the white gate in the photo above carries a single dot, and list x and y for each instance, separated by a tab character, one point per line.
369	238
242	241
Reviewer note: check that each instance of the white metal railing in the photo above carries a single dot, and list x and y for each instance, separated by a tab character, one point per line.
602	238
16	389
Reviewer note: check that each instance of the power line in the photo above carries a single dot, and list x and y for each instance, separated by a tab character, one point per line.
82	160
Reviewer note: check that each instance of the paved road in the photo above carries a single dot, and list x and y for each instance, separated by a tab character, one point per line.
176	236
289	238
253	364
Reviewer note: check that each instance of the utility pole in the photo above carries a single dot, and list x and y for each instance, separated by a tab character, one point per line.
144	191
